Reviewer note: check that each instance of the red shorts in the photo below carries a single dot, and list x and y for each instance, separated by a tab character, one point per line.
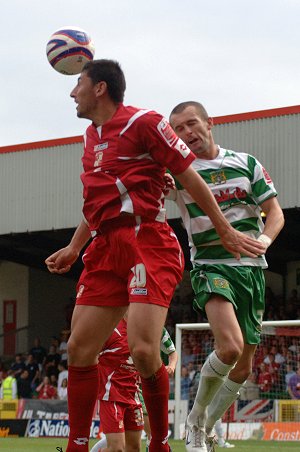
118	417
129	263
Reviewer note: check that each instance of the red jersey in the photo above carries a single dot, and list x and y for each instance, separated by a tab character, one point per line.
119	379
47	392
124	163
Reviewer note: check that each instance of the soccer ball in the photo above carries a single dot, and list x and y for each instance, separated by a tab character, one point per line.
68	49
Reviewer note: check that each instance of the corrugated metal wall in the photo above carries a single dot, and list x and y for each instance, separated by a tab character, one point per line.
276	143
41	188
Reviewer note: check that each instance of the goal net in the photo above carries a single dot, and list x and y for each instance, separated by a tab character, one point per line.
266	408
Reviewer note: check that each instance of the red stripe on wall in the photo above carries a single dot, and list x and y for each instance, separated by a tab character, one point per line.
257	115
217	120
41	144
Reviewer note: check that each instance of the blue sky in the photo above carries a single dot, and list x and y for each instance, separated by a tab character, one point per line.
233	56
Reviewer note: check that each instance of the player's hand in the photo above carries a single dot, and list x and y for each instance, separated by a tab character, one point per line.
239	244
62	260
170	371
169	183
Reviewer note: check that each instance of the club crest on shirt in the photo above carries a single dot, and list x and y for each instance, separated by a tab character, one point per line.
221	283
218	177
80	291
98	158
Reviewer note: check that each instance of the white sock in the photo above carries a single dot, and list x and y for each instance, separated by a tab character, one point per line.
219	432
99	445
224	398
212	376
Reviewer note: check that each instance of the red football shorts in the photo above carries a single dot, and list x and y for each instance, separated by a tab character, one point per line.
118	417
131	263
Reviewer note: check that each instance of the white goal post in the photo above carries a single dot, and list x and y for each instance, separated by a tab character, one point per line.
268	329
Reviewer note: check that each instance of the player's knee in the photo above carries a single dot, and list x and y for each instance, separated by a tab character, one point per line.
230	352
79	353
141	352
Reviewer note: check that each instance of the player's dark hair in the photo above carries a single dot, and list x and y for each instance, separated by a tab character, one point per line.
108	71
190	103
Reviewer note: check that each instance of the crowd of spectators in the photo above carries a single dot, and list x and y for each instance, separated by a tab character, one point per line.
41	373
276	365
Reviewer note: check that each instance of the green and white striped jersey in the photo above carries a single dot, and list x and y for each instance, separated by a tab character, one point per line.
240	185
166	346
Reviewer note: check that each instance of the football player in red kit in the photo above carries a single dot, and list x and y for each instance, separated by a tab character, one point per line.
121	413
134	257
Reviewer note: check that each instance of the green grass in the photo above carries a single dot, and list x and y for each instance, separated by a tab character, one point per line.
51	444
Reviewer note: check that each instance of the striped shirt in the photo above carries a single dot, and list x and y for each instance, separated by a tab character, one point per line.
240	184
167	346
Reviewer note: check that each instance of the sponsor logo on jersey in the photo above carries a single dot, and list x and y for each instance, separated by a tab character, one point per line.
182	148
167	132
221	283
267	176
139	291
100	147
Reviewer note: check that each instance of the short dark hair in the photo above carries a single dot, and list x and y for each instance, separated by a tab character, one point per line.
108	71
190	103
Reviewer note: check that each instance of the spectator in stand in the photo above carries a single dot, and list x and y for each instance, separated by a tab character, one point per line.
187	355
260	355
63	373
24	386
55	342
38	352
289	373
53	379
273	368
278	357
46	390
265	380
184	383
207	344
18	365
62	391
9	390
250	390
62	350
294	385
195	344
33	371
295	346
191	369
51	362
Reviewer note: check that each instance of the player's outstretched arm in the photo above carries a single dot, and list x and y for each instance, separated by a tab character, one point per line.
233	241
62	260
